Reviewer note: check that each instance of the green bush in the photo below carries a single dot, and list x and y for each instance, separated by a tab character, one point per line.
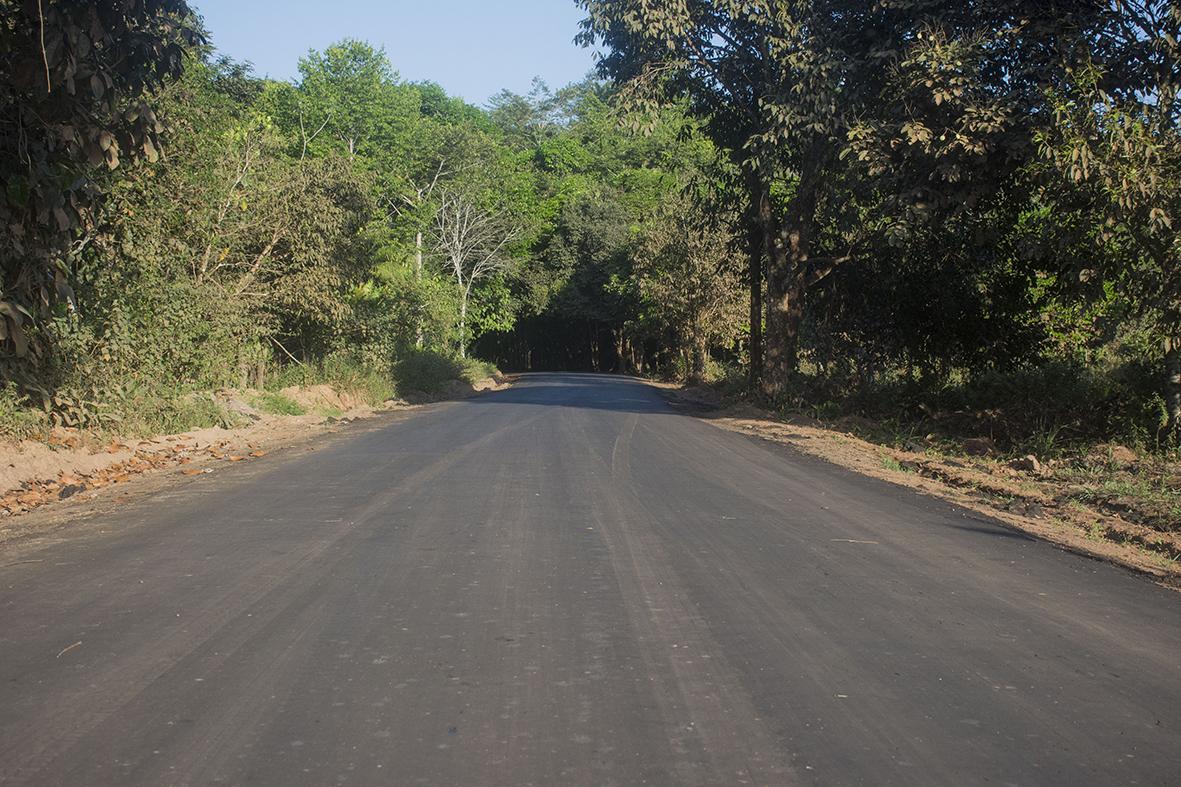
277	404
346	372
154	413
1045	409
19	419
429	372
473	370
1069	402
426	371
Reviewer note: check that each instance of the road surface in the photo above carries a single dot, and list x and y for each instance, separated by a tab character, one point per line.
563	583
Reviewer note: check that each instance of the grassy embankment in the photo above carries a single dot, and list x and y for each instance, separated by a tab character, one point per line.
137	410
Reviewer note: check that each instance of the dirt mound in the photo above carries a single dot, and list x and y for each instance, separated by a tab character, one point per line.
1113	454
461	389
320	397
232	403
489	384
455	389
32	461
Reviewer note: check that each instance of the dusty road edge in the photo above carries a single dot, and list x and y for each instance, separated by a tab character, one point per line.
919	473
208	459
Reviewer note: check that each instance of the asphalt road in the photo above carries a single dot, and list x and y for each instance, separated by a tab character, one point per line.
569	583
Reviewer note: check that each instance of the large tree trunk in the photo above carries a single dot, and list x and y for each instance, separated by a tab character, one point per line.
699	359
463	326
418	326
756	242
787	244
785	312
594	347
784	303
755	272
1173	386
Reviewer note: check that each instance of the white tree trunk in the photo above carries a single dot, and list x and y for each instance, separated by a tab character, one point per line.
418	328
463	326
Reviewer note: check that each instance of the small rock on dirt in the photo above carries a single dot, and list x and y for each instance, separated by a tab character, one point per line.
855	423
798	419
979	446
1113	454
238	407
1027	464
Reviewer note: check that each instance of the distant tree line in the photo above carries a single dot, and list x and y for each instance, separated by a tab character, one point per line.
890	206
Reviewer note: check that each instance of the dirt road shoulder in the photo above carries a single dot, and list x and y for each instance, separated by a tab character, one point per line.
1019	494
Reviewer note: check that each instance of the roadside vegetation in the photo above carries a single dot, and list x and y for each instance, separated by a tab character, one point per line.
951	223
959	229
174	226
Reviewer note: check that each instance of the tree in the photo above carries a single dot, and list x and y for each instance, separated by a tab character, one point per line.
773	82
685	271
344	90
781	86
598	180
75	77
525	120
588	268
473	241
1117	143
275	238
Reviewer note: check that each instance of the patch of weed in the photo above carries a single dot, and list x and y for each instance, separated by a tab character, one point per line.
19	419
277	404
430	372
345	373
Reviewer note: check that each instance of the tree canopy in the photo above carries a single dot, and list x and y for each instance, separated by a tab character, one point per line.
905	195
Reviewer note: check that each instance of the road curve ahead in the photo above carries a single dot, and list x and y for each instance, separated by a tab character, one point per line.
563	583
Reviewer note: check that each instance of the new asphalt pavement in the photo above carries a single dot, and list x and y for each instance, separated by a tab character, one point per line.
570	583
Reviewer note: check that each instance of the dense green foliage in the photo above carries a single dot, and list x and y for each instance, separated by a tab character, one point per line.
72	78
959	212
274	236
945	191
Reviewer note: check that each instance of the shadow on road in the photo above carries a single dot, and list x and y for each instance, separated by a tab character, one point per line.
580	391
989	528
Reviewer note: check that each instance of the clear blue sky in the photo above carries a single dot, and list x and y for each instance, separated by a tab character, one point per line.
473	48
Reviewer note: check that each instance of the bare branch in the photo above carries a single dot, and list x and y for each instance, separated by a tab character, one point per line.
304	136
471	240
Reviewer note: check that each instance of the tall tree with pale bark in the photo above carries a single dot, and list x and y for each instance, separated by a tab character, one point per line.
473	241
